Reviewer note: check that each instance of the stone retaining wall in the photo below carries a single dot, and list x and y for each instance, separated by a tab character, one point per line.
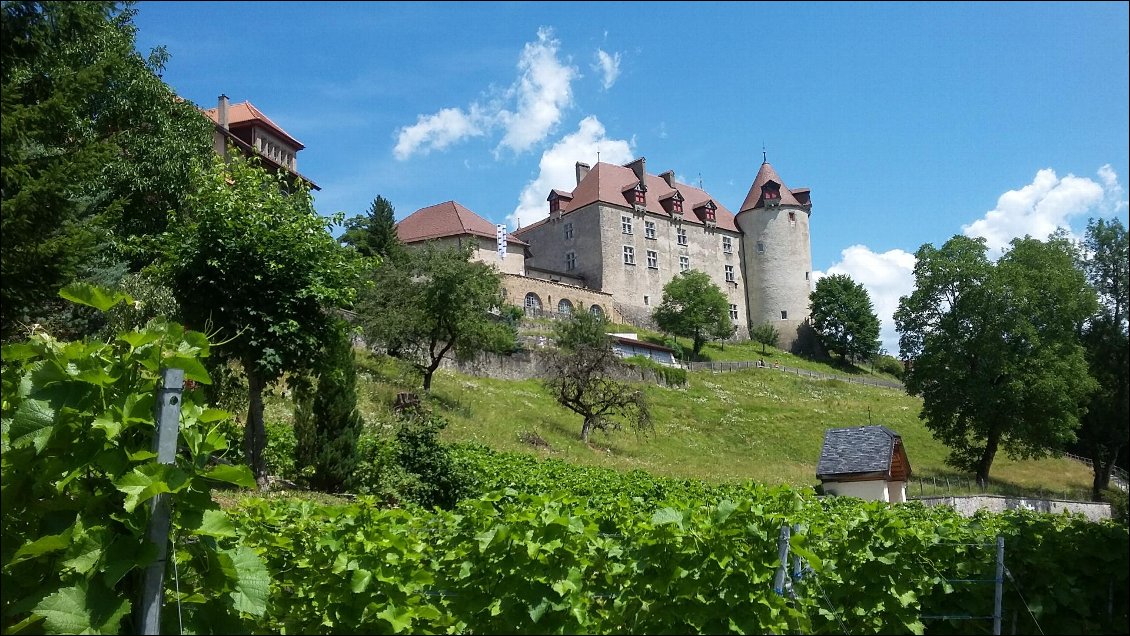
967	506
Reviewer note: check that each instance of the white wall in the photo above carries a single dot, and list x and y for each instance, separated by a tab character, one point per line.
897	491
875	490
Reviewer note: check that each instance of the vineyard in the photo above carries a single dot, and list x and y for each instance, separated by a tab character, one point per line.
561	550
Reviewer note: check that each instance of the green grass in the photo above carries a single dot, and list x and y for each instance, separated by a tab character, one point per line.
755	424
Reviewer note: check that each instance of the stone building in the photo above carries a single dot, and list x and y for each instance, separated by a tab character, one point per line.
627	233
868	462
452	224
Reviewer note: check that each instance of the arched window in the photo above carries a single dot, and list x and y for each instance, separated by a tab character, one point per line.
565	307
533	303
596	310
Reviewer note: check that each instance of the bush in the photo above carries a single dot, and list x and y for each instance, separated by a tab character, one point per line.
890	365
673	376
1119	501
279	450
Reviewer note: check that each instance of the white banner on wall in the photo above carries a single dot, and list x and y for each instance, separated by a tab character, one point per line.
500	235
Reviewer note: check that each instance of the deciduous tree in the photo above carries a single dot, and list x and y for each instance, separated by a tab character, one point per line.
844	318
1105	431
433	302
580	376
258	267
766	334
693	307
993	348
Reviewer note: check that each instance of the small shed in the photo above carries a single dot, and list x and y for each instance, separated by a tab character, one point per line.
627	345
868	462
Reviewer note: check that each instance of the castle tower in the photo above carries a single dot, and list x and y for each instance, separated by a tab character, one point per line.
777	256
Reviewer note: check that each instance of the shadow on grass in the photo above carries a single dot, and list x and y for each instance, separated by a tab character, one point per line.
942	483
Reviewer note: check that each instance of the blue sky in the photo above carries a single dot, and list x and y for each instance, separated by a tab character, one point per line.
910	122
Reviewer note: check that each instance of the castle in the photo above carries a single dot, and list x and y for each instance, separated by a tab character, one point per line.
611	244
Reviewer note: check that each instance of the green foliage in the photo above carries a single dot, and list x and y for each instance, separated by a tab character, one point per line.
844	318
337	423
96	150
890	365
694	307
672	376
375	233
1105	430
766	335
420	453
78	472
581	329
1119	505
994	350
434	301
257	264
280	451
546	547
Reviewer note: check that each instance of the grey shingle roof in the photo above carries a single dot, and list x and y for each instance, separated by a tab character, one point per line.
860	449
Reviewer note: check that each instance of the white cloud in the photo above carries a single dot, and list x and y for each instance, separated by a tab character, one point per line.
437	131
543	92
537	101
886	277
1046	204
609	67
557	168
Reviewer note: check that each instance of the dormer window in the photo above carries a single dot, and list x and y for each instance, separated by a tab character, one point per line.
708	211
771	193
557	201
673	203
638	195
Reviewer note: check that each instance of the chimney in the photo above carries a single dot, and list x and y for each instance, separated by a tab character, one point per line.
638	167
582	171
222	111
669	177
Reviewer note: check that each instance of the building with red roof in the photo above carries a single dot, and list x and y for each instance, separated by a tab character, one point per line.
244	126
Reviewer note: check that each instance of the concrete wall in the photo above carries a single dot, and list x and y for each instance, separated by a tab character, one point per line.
896	491
778	278
968	506
551	293
874	490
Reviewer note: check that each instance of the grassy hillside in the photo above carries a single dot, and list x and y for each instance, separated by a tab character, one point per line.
758	424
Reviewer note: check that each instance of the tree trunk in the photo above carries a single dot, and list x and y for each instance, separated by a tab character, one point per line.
586	430
1102	464
254	432
986	460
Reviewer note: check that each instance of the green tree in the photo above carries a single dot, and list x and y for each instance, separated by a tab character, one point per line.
993	348
1105	431
693	307
766	334
259	267
434	301
336	421
844	318
96	150
374	234
581	377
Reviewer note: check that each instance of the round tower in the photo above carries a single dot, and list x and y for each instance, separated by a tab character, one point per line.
777	257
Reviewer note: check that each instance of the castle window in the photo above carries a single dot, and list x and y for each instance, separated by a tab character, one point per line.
570	261
565	307
677	205
646	299
649	229
629	255
792	219
733	311
684	263
555	204
681	234
784	314
533	303
727	245
760	247
806	276
568	231
626	224
653	259
596	310
730	274
638	195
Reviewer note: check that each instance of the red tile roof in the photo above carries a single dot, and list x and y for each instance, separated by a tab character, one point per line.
245	113
764	175
608	183
443	220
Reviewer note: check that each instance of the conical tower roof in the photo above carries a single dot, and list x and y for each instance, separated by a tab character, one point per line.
753	200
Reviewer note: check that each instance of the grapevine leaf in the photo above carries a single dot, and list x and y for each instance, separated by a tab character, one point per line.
665	516
148	481
251	580
82	610
537	611
33	424
43	545
399	618
724	510
93	296
360	580
228	473
193	369
212	523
